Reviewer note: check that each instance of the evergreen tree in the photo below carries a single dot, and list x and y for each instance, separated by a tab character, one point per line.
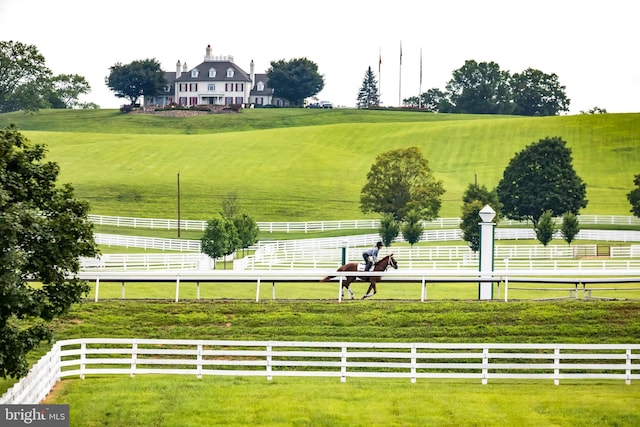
368	96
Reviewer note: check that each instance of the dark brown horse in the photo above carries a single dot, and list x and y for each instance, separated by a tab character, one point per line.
381	265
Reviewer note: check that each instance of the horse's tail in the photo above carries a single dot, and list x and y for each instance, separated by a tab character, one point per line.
326	279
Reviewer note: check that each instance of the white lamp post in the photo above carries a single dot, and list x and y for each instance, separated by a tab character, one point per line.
487	227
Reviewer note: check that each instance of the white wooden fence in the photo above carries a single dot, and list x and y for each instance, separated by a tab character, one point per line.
475	361
575	281
312	226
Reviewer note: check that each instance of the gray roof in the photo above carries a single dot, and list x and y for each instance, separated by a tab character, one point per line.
221	73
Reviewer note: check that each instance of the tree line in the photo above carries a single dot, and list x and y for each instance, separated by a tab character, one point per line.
482	88
27	84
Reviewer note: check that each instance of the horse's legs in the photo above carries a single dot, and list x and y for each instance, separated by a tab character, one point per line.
372	285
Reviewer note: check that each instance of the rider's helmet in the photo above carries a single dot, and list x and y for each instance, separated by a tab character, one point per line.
379	244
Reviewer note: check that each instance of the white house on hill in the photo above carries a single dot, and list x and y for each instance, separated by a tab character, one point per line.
215	81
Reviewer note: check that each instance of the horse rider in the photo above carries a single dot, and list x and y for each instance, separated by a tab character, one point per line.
371	256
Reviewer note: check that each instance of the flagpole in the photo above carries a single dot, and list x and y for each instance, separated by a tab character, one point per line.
400	79
379	75
420	88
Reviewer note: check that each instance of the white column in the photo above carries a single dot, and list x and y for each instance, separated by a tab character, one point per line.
485	289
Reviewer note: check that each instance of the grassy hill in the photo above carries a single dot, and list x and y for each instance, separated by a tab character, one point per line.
302	164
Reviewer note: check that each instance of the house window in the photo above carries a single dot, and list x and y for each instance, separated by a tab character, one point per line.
230	72
259	100
211	87
260	86
212	72
239	100
228	100
239	87
183	100
194	72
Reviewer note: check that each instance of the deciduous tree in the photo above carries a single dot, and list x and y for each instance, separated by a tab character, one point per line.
139	78
45	230
389	229
535	93
479	88
570	227
634	196
400	181
247	230
540	178
220	238
68	87
474	199
295	80
24	77
545	228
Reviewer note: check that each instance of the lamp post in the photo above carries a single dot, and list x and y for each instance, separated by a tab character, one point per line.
487	228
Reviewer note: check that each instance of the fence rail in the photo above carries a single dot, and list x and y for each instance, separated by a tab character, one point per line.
576	281
476	361
313	226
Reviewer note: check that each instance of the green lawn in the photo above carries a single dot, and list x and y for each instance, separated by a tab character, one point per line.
234	401
297	165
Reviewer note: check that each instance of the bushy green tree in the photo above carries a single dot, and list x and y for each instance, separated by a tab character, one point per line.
67	88
389	229
634	196
247	230
220	238
139	78
400	181
368	95
295	80
479	88
24	78
545	228
535	93
570	227
45	230
540	178
474	199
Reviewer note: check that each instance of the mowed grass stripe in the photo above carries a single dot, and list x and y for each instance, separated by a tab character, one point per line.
317	172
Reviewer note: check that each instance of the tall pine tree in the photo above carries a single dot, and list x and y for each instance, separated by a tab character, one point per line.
368	95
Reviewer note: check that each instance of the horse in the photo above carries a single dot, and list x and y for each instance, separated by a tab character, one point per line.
381	265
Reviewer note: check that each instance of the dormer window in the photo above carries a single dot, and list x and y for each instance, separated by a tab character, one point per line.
260	86
229	72
212	72
194	72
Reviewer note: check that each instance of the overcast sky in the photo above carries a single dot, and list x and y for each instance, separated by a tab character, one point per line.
591	45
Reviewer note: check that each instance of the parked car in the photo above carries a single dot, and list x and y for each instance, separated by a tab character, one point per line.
326	104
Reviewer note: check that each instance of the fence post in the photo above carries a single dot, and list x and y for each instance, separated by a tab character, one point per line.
556	362
627	381
199	361
134	357
485	365
413	363
83	350
258	290
269	359
343	365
